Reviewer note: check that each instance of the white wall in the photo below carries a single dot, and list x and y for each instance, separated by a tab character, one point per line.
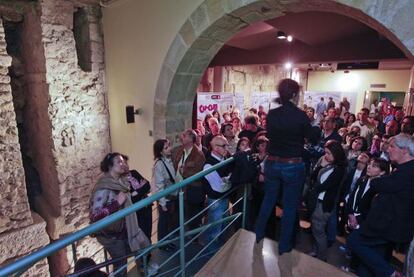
359	81
137	37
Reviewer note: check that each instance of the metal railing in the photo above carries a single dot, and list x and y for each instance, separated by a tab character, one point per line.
21	265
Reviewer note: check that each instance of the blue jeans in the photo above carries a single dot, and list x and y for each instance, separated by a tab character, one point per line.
216	212
332	225
372	253
291	177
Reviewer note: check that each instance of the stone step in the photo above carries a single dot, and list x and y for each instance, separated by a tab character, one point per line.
241	256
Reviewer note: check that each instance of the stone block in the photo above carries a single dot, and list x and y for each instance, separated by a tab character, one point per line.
199	64
233	5
187	32
179	87
24	240
203	44
5	60
216	9
224	28
57	13
159	128
95	33
176	52
40	269
199	19
175	125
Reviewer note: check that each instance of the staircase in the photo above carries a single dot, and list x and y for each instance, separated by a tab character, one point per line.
242	256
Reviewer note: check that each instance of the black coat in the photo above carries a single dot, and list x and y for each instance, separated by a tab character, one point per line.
391	216
346	185
245	168
330	186
362	202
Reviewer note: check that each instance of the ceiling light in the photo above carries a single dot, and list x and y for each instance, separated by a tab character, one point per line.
281	35
289	38
288	65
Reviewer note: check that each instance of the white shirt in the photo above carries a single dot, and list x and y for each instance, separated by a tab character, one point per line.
324	176
216	182
367	186
357	174
178	177
366	131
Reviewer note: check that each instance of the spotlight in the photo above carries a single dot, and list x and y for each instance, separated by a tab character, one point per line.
289	38
288	65
281	35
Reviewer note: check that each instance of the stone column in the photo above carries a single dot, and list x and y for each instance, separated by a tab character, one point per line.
14	205
21	232
218	79
78	111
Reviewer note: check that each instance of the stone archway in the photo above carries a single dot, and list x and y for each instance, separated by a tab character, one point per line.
215	21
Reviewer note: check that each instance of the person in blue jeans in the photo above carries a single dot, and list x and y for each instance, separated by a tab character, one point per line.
390	217
291	177
217	185
287	128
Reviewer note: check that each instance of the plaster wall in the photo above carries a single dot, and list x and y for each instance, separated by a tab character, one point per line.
359	81
137	37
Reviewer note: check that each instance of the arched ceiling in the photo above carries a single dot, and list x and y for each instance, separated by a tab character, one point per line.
318	37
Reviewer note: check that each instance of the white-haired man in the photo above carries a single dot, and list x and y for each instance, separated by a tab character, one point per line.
390	219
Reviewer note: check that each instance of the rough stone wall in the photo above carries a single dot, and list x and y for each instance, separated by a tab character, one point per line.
67	121
78	109
23	241
14	206
78	113
250	78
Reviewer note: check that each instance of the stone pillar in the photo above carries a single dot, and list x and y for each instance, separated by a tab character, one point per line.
409	96
14	205
78	111
21	231
218	79
67	120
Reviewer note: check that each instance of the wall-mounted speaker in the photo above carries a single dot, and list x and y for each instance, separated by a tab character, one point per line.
130	114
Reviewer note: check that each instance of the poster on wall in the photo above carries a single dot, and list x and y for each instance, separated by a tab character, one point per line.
239	103
208	102
265	99
312	98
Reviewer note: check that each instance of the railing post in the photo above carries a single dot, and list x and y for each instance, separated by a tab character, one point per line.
26	262
106	259
182	242
75	259
244	205
145	265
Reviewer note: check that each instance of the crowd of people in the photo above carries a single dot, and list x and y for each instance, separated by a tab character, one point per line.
352	174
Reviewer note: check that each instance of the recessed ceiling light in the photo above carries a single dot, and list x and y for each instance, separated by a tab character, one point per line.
289	38
288	65
281	35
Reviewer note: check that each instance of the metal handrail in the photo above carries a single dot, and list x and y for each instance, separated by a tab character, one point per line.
26	262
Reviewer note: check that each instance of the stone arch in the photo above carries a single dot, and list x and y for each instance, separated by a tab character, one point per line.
215	21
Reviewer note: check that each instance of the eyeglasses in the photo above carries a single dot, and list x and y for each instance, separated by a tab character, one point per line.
222	145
